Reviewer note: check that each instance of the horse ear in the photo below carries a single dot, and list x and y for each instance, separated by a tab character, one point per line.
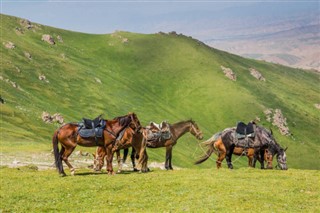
286	149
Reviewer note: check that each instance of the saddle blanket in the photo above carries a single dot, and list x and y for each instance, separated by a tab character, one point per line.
91	133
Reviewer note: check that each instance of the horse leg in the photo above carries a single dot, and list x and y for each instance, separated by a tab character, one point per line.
221	152
67	152
228	157
119	161
133	159
261	158
168	164
109	160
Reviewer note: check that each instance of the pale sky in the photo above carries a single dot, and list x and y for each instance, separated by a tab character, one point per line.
198	19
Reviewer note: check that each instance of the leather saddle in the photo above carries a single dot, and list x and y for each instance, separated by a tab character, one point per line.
157	133
92	128
245	134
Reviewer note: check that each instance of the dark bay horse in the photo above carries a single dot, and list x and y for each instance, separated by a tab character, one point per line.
177	130
225	142
130	138
68	137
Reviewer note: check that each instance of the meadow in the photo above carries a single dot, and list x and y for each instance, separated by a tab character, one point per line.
25	189
160	76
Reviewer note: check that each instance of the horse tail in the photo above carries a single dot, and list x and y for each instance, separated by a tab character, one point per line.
210	143
57	157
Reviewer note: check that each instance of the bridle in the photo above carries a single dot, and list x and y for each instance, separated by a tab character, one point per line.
194	130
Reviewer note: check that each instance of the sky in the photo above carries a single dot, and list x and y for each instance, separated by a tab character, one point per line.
199	19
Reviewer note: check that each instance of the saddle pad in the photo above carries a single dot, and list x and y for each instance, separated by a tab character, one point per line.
91	133
245	143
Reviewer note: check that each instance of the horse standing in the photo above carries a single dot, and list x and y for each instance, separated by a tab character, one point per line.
225	142
68	136
177	130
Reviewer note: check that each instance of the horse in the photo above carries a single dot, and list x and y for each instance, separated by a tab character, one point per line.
225	142
68	137
101	153
129	138
253	157
177	130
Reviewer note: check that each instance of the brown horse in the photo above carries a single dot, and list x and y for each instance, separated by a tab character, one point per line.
250	153
130	138
101	153
68	136
225	142
177	130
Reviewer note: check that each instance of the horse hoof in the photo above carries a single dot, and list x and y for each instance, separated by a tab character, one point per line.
63	175
135	170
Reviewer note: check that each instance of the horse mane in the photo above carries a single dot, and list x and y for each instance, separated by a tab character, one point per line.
123	120
185	121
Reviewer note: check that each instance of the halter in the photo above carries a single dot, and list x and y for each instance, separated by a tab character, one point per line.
192	127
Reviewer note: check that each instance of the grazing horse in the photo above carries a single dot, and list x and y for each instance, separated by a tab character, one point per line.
68	136
129	138
225	142
253	156
101	153
177	130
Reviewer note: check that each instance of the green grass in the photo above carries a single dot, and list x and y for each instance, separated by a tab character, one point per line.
159	77
190	190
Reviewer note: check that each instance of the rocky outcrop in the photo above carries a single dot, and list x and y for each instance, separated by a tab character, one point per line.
229	73
255	73
48	38
278	120
56	118
9	45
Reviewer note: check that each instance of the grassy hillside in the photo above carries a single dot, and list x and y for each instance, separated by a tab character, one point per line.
158	76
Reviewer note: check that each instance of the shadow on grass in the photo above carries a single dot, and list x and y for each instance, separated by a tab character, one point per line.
127	172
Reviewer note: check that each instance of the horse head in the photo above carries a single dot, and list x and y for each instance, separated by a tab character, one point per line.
282	159
194	130
135	123
98	160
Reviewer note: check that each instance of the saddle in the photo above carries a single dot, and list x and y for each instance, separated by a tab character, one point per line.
245	134
92	128
157	133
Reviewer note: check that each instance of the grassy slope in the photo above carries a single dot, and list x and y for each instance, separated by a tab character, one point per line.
160	77
190	190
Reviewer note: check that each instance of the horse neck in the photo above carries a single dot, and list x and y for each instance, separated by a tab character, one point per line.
180	128
115	126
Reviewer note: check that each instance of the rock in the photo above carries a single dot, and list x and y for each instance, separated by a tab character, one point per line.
97	80
9	45
27	55
125	40
229	73
278	120
26	24
43	78
256	74
48	38
56	118
317	106
59	38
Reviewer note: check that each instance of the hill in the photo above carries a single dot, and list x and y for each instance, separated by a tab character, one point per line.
158	76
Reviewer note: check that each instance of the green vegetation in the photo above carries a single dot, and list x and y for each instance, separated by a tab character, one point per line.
190	190
159	77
